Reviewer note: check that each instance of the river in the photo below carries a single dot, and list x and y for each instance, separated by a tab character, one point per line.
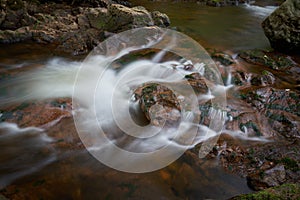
226	28
51	163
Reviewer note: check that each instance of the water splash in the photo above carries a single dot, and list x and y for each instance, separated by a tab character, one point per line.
261	11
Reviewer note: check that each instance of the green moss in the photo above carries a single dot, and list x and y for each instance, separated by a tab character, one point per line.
275	107
237	81
280	118
58	104
265	72
263	58
243	96
294	96
283	192
252	125
290	164
189	76
5	116
149	89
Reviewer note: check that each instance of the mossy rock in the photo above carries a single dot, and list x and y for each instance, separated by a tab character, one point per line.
283	192
266	58
15	4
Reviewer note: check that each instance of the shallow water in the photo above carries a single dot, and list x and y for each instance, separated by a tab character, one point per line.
228	28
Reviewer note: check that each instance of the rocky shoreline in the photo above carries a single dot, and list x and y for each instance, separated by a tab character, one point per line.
73	29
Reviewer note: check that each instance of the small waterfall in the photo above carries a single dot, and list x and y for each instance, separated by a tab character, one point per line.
229	78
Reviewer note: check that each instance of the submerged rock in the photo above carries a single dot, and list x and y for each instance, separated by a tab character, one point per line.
282	27
49	112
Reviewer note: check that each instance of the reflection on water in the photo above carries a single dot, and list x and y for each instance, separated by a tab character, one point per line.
228	28
77	175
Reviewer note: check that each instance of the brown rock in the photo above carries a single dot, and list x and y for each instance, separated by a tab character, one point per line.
269	178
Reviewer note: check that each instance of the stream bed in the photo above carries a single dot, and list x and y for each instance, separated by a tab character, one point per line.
42	155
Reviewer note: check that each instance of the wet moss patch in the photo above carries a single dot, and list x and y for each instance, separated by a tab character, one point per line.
270	59
285	191
251	125
290	164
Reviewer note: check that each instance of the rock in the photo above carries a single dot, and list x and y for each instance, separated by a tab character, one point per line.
282	27
86	3
124	18
80	42
280	107
160	19
15	4
21	34
198	83
75	30
83	21
2	17
159	104
45	37
269	178
273	60
49	111
266	78
124	3
97	18
223	58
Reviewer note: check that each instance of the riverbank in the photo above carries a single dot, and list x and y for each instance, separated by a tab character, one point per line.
72	28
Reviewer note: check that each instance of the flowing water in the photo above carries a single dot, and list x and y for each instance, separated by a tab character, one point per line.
33	159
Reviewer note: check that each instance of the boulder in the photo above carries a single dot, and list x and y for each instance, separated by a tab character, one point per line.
97	18
158	103
123	18
160	19
282	27
74	29
269	178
